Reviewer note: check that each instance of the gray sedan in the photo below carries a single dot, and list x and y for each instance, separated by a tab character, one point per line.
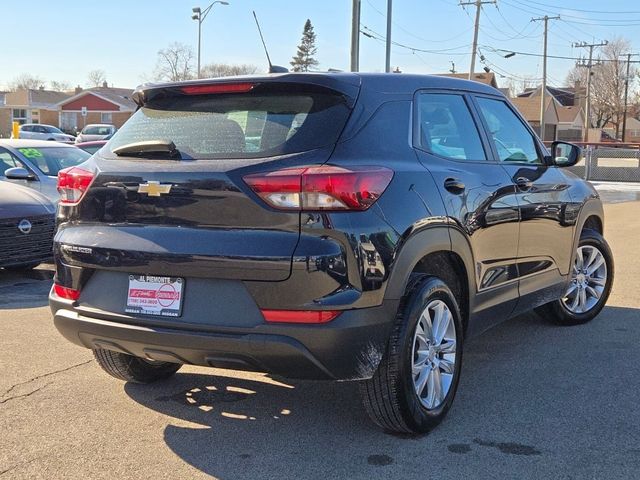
36	163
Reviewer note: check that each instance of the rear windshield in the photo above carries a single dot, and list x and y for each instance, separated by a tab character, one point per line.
50	160
96	130
256	124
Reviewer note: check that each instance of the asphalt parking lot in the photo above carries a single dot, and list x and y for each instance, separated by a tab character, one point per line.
535	401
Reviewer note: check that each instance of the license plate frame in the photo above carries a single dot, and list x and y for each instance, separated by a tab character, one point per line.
155	295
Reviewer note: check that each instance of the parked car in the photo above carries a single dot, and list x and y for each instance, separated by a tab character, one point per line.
92	147
36	163
324	226
27	223
95	132
35	131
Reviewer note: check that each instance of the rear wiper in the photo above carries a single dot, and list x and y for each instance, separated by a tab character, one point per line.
149	148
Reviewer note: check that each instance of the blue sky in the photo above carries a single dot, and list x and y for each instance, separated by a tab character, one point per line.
64	40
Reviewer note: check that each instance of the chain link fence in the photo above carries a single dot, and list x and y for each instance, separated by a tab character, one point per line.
609	164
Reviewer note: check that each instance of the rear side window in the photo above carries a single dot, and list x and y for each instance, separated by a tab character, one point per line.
260	123
447	128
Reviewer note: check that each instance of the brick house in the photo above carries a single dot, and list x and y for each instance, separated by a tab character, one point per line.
5	117
100	105
30	106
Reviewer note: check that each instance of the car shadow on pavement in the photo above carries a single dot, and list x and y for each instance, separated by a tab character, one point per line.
29	289
520	381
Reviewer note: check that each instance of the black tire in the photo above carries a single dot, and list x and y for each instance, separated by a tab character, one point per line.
133	369
22	268
389	396
556	311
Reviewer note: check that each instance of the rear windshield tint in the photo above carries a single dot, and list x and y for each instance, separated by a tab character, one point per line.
255	124
97	130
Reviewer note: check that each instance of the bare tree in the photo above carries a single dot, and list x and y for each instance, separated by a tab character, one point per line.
26	81
96	78
60	86
213	70
175	63
521	84
607	84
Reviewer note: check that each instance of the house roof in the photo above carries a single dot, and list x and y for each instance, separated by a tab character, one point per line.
119	96
529	107
565	96
35	98
568	114
482	77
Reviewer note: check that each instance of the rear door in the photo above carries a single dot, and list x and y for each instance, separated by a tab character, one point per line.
192	214
478	196
546	228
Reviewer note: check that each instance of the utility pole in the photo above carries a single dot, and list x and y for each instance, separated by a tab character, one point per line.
589	67
387	67
355	36
543	96
478	4
626	96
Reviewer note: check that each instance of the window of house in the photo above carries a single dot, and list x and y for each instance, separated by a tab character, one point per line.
19	115
106	117
447	128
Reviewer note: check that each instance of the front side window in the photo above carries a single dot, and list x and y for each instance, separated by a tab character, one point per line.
512	140
8	161
447	128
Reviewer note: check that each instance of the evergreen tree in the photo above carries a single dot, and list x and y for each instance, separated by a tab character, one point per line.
304	59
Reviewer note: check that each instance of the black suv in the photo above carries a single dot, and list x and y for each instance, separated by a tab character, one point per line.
323	226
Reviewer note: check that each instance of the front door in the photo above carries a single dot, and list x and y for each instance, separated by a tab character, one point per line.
478	195
546	228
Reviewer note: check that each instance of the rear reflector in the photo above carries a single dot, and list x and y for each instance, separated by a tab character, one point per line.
300	316
73	182
324	187
66	292
217	88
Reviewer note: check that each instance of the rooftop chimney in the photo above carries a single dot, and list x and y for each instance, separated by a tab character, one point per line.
78	89
105	84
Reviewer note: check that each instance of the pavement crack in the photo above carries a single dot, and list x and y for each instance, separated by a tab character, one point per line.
37	377
23	395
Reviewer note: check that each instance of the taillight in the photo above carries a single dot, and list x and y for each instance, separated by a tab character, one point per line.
242	87
321	187
73	182
300	316
66	292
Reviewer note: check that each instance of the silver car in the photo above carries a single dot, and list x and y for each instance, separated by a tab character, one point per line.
98	131
36	163
37	131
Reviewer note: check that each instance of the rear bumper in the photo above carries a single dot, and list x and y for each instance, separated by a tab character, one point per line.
348	348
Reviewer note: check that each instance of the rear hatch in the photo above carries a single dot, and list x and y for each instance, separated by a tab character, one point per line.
177	205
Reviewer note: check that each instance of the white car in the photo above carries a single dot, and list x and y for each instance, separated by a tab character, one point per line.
94	132
36	131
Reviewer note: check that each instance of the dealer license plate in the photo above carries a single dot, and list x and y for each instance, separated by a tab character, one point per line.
153	295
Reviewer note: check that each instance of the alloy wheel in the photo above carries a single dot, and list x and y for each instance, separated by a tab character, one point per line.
588	280
434	354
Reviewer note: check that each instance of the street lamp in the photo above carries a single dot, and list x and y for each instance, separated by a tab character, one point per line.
200	15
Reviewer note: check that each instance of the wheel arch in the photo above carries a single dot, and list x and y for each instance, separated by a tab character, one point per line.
441	252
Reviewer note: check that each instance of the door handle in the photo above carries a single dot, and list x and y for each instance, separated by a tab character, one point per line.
454	185
524	183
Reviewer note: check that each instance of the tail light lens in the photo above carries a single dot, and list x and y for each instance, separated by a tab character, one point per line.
66	292
300	316
73	182
321	187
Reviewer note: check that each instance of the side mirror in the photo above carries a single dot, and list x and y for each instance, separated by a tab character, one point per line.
19	173
565	154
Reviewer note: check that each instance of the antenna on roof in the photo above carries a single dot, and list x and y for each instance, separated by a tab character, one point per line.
272	68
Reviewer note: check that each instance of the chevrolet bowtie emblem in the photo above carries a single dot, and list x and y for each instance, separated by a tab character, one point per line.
154	189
